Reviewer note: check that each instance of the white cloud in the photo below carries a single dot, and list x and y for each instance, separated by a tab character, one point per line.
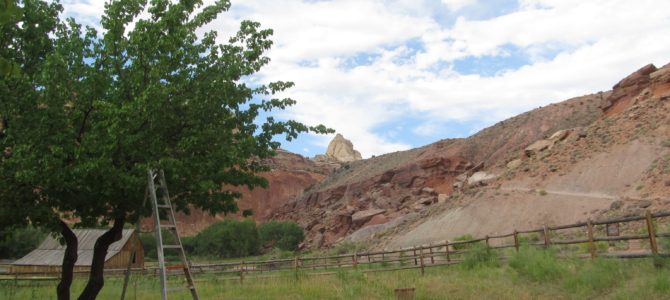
573	47
458	4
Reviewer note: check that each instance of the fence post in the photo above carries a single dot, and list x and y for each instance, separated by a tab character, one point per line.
592	246
242	273
368	254
516	240
421	260
446	249
325	263
487	241
354	260
546	236
652	233
296	265
383	258
415	261
432	259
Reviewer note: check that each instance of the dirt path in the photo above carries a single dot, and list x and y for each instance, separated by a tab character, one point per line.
562	193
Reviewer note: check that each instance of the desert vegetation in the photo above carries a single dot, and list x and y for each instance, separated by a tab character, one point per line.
530	274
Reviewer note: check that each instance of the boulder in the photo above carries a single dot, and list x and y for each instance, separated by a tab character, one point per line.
376	220
514	164
363	216
442	198
629	87
559	135
537	147
342	150
480	178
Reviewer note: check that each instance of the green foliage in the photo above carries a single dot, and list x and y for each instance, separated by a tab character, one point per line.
465	237
15	242
344	247
91	111
661	283
537	265
529	238
480	256
599	275
228	238
149	243
286	235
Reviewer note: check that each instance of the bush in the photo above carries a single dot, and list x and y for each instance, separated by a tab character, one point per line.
228	238
537	265
285	235
465	237
15	242
480	256
149	243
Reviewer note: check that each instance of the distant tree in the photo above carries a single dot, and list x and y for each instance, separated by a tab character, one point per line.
286	235
91	111
228	238
16	242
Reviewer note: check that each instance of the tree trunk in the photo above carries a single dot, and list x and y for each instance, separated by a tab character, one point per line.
70	257
96	277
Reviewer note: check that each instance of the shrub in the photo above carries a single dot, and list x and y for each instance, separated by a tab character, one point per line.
465	237
285	235
344	247
149	243
228	238
15	242
480	256
537	265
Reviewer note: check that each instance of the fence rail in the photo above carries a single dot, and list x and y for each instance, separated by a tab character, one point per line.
441	253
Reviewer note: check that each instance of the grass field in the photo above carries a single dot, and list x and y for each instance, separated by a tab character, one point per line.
528	275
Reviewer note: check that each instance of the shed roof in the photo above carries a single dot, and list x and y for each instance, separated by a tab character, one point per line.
51	252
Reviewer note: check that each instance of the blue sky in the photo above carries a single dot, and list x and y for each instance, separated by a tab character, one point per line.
397	74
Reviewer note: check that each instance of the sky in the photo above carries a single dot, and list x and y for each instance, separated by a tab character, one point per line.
391	75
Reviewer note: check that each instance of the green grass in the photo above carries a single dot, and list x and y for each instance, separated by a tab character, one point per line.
532	274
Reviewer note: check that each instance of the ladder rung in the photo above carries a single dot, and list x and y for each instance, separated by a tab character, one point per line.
163	206
168	226
171	247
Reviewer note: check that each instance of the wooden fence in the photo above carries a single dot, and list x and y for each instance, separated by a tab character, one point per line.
590	233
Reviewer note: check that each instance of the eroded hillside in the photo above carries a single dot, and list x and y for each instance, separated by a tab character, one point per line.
473	184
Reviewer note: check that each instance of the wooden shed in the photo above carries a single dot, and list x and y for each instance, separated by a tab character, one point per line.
48	257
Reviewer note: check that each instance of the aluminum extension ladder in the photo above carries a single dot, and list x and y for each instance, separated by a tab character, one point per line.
160	202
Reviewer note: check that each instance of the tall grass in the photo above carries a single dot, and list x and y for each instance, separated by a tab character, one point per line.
531	274
480	256
537	265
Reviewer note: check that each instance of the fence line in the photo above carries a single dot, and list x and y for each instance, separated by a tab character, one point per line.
416	257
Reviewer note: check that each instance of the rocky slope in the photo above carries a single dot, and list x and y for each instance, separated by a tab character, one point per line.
618	165
291	174
585	153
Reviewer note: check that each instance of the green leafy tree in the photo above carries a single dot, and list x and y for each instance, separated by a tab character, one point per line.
286	235
228	238
16	242
92	111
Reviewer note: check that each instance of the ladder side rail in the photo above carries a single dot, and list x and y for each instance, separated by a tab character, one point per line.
172	220
159	235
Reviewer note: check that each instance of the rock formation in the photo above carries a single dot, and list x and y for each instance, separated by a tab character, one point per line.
342	150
